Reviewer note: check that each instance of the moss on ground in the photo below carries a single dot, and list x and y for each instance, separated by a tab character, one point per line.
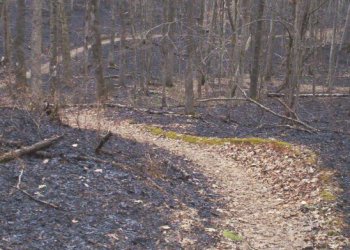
217	141
232	236
328	196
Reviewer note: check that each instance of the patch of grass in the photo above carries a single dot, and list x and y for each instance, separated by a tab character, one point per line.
332	233
232	236
217	141
326	176
312	159
327	195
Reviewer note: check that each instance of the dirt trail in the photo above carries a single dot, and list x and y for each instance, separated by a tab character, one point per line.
45	68
259	216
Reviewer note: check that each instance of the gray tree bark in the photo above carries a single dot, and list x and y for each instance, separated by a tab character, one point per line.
111	52
189	22
7	33
333	52
65	43
254	75
20	67
36	42
97	51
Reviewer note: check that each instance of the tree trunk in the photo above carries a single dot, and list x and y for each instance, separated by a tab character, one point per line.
122	57
269	53
332	56
111	53
300	25
7	33
168	33
54	52
36	49
65	43
20	69
97	51
254	76
86	41
189	22
345	40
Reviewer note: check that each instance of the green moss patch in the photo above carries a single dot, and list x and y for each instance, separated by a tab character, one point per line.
232	236
327	195
217	141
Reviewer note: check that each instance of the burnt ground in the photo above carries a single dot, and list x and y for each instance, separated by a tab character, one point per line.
131	203
100	206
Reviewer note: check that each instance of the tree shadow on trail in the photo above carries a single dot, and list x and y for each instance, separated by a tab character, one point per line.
155	200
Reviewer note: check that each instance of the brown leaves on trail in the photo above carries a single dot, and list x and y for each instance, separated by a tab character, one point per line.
290	173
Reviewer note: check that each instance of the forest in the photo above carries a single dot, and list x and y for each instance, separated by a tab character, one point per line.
175	124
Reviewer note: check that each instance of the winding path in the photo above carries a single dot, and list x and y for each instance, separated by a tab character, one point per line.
263	219
251	208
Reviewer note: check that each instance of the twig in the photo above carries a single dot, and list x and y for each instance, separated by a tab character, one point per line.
38	200
19	179
288	108
286	126
103	141
18	187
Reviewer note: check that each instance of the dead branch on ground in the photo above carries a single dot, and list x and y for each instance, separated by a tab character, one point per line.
102	142
246	98
310	95
29	149
18	187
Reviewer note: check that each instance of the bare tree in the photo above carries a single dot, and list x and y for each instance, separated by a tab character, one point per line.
65	43
111	53
333	51
6	32
254	75
20	67
345	40
97	51
190	45
122	14
36	42
270	44
297	50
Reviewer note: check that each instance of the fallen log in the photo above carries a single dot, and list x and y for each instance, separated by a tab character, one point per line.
311	95
29	149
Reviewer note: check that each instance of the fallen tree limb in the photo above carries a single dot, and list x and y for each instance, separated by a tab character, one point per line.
311	95
312	129
29	149
103	141
248	99
221	99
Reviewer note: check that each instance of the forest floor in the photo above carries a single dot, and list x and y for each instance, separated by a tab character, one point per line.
149	189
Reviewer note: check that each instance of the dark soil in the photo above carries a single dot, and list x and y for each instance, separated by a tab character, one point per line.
100	206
